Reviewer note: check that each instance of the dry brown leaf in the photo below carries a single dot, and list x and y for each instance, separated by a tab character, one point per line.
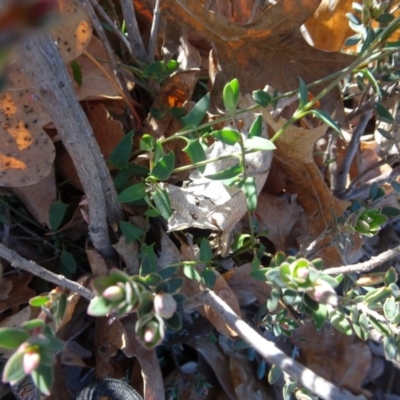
341	359
294	158
278	216
329	28
245	287
129	253
39	197
97	263
20	292
95	84
108	133
270	50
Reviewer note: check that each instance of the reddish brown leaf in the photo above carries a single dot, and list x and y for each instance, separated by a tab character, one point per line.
270	50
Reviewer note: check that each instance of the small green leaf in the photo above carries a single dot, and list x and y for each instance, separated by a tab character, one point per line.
76	72
132	193
174	284
43	378
168	272
39	301
161	201
163	169
390	211
249	189
262	98
196	153
57	213
228	173
99	307
273	299
389	308
130	231
373	190
320	316
377	295
395	186
227	135
11	338
261	369
258	143
191	272
303	93
146	143
208	277
198	112
175	322
205	251
33	323
383	114
326	119
256	127
230	95
340	322
274	374
68	262
121	154
391	276
240	344
390	347
13	370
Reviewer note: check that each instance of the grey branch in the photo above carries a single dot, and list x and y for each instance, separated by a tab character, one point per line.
47	72
365	266
307	378
30	266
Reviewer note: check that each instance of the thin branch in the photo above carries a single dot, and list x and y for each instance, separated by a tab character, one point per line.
30	266
352	149
115	29
134	36
365	266
88	6
154	31
268	350
47	72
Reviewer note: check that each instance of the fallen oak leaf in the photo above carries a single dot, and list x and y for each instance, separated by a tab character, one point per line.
270	50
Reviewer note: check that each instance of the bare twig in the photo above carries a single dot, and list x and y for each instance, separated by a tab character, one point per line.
104	15
351	152
366	265
47	72
30	266
268	350
134	36
88	6
154	31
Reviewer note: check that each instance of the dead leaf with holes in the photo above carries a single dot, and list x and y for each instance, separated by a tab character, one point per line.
27	153
19	294
268	50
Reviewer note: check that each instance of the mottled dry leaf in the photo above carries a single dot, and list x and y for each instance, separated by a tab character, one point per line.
27	153
269	50
20	292
277	215
343	360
